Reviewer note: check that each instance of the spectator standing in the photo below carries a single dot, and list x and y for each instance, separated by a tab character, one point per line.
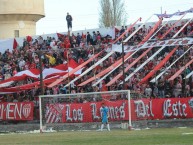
89	38
98	37
161	90
122	30
69	21
155	91
78	39
148	91
94	38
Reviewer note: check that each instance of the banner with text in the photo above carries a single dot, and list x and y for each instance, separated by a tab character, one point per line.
170	42
118	110
16	111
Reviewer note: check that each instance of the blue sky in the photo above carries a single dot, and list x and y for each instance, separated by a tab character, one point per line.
85	12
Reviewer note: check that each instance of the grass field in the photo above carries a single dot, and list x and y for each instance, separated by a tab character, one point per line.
174	136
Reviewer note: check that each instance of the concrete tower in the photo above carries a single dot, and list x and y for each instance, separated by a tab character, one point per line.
18	17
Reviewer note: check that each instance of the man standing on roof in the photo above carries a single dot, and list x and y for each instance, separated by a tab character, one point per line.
69	21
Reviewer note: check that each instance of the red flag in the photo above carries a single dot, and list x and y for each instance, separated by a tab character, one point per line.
72	63
80	61
83	35
116	30
28	38
15	44
104	87
60	35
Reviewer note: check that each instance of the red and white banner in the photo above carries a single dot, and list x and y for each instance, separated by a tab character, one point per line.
180	71
105	71
47	73
178	13
170	42
16	111
142	42
157	67
118	110
74	70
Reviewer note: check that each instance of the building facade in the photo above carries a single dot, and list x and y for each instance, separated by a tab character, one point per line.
18	17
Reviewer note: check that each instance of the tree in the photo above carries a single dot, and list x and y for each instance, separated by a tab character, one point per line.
112	13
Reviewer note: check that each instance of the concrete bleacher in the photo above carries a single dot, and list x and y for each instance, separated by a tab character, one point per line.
87	50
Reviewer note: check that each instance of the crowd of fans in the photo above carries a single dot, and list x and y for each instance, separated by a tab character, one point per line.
82	47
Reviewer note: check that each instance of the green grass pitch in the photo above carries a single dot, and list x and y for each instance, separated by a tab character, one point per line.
159	136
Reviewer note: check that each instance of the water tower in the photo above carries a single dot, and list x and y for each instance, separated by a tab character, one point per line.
18	17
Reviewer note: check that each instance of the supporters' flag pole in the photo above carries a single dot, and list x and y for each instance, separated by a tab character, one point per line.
157	52
116	63
157	77
74	70
157	67
180	71
142	42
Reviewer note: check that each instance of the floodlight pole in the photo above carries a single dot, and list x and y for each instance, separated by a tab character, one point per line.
123	66
42	89
41	75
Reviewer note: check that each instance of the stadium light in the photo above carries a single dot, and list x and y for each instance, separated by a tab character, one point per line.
123	65
41	75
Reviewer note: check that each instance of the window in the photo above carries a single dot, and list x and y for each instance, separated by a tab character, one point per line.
16	33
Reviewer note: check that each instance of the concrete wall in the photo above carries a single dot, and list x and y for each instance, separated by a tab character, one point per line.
20	15
31	126
25	28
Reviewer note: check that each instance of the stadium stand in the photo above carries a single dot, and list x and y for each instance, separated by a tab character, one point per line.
70	52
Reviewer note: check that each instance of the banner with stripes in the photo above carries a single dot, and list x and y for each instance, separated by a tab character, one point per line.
156	43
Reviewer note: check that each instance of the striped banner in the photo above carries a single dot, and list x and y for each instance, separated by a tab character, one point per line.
89	69
116	63
143	41
189	75
74	70
157	77
157	67
157	43
180	71
156	53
